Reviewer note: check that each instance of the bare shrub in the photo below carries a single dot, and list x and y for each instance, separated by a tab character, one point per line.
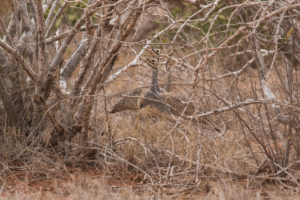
236	63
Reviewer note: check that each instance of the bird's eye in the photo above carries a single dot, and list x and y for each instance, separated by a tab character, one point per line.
156	51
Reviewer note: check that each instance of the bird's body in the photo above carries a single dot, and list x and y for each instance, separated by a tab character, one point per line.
178	106
128	102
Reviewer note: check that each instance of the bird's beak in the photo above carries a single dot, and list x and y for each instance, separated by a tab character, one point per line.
150	50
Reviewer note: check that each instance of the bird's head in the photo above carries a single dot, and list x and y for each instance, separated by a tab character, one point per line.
154	52
152	62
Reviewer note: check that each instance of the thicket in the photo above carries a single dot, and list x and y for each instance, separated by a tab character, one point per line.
237	61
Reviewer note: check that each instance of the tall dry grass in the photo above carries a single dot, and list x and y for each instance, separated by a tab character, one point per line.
248	152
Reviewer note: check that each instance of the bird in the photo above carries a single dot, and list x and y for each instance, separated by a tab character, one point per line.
128	102
142	97
163	101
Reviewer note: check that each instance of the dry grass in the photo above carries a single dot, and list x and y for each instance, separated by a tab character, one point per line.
147	154
143	155
76	185
95	185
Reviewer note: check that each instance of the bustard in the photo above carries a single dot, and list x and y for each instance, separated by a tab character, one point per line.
142	97
164	102
161	100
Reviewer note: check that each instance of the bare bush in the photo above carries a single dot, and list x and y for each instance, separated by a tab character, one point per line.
233	65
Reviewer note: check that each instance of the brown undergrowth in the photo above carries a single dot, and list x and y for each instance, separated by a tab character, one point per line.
143	155
233	65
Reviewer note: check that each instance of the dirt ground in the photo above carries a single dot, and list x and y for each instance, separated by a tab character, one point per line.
94	184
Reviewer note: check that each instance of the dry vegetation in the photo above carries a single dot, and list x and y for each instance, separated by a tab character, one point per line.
64	64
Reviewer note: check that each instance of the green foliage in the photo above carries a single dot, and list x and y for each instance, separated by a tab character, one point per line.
176	12
74	12
198	28
71	13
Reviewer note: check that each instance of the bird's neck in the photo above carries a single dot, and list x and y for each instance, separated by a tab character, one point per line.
154	83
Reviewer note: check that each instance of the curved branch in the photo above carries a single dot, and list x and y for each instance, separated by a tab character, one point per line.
26	67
